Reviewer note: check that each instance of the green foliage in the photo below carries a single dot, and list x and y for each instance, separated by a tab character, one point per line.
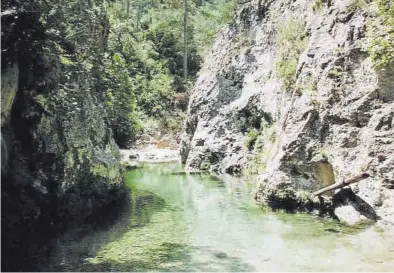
244	43
381	35
64	60
286	70
144	64
336	72
324	151
251	138
290	199
208	19
285	193
261	142
255	165
317	5
339	51
353	5
290	42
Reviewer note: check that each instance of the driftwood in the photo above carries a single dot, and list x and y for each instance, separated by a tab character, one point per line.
341	184
186	173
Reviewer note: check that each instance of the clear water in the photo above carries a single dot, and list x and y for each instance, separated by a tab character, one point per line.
179	222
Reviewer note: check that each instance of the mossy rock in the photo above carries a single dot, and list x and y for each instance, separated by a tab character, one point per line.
292	200
205	166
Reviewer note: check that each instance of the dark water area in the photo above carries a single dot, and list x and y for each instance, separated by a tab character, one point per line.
195	222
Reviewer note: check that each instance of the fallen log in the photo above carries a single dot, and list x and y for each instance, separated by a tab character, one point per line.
341	184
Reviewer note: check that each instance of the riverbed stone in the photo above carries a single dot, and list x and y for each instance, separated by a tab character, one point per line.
148	154
349	215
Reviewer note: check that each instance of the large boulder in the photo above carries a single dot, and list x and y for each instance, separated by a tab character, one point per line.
289	93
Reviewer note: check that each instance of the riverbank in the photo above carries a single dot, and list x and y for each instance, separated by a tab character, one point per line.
149	155
152	149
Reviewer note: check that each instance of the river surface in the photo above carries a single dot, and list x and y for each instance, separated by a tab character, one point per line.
180	222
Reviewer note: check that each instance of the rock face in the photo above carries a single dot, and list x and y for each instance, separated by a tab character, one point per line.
290	94
60	164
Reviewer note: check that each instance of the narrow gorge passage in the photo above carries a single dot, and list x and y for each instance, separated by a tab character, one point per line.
181	222
278	98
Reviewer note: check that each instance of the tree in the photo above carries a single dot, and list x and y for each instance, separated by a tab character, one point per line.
185	39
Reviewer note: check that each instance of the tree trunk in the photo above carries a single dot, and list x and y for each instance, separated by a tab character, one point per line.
185	39
128	8
344	183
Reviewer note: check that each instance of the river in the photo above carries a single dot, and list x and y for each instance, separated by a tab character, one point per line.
180	222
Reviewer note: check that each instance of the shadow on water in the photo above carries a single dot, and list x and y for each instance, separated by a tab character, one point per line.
72	248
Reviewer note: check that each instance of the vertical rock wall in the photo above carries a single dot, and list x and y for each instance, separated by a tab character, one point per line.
60	164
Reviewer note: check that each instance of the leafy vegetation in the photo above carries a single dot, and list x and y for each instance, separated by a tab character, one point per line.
261	143
251	138
317	5
144	69
353	5
290	42
381	34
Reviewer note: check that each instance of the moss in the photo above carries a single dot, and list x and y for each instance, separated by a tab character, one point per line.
255	165
336	72
339	51
9	86
290	199
110	172
317	5
286	71
353	5
262	142
251	138
325	152
303	197
272	134
243	41
82	152
69	160
64	60
7	98
41	100
205	166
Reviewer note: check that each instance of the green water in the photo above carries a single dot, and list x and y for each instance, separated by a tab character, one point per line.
179	222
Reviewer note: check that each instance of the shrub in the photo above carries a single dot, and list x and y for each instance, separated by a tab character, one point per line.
353	5
317	5
290	42
251	138
381	35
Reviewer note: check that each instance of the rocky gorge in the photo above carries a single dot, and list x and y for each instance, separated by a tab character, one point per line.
295	94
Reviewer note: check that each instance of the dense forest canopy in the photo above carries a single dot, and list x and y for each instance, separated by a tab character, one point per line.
144	71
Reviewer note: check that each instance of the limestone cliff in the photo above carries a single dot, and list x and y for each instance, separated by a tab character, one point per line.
290	92
60	164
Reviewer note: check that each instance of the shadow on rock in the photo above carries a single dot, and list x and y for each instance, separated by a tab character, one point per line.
346	197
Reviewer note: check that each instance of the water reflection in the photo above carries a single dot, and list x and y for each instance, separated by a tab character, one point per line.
196	222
